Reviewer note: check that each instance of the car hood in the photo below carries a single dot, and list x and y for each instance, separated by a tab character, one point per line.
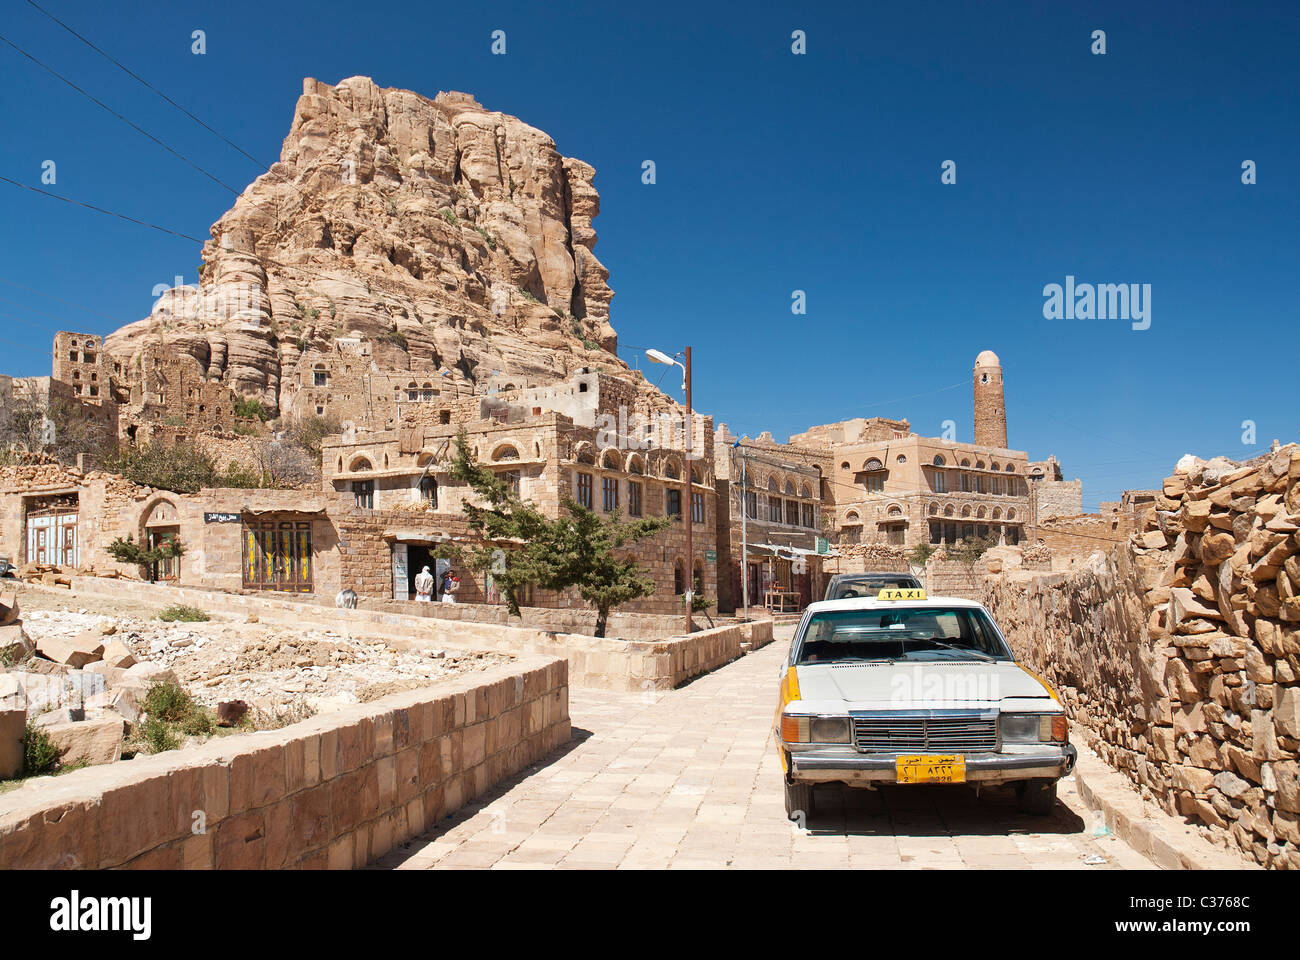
921	684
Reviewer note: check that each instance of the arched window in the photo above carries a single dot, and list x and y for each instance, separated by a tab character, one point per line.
873	464
671	470
934	509
585	455
851	517
997	513
360	464
505	452
902	458
1011	468
789	489
994	466
611	461
429	490
939	461
1011	514
805	492
695	475
895	511
982	512
965	462
319	377
965	511
772	485
979	464
635	465
947	511
844	465
679	578
698	586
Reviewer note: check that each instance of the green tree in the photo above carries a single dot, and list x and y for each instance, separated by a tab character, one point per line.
920	554
575	550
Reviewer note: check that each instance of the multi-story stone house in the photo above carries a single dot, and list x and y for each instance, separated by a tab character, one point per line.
586	439
771	539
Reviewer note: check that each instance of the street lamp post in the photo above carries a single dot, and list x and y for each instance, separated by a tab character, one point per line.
658	356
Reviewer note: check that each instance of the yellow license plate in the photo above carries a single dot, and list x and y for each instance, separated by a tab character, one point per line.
929	768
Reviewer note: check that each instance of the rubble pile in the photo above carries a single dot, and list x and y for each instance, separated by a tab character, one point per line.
82	676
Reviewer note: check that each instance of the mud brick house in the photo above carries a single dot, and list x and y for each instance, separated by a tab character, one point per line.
595	437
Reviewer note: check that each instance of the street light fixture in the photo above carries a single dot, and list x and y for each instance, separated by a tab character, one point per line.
658	356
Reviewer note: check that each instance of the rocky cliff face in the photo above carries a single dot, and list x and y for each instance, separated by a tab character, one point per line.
451	236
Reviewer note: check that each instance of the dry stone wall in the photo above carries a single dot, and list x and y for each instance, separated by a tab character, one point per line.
1178	654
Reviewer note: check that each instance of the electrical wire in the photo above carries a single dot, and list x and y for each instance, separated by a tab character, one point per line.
125	69
133	126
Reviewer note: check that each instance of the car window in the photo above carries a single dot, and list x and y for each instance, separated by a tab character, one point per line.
897	634
869	588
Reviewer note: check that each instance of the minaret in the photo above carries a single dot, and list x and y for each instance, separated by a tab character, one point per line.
990	405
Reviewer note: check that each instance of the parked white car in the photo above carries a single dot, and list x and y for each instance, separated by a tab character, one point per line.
901	688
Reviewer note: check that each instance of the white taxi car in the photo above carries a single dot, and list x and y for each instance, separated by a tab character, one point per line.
901	688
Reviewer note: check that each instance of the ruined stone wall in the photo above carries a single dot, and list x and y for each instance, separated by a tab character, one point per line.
1083	535
1057	498
1179	654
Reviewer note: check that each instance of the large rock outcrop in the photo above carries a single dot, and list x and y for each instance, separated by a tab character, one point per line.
449	235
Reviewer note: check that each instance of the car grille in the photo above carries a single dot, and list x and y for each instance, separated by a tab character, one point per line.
942	734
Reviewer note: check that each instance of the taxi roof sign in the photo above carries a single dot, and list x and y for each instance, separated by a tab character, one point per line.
898	593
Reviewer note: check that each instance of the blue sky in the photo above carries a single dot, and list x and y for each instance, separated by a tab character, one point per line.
775	173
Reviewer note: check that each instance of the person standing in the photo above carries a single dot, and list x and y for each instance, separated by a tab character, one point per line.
424	586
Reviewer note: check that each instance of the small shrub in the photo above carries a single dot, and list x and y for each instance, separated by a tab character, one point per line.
167	700
450	217
252	409
158	736
395	337
40	755
200	722
182	612
528	295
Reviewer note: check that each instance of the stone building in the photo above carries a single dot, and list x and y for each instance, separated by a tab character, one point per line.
771	542
886	484
595	438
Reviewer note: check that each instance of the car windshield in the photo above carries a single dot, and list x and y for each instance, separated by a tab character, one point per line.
850	589
960	633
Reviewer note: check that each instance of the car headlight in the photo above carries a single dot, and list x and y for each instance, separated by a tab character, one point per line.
829	730
797	729
1034	728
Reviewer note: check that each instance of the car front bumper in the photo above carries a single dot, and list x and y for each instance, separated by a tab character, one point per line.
844	764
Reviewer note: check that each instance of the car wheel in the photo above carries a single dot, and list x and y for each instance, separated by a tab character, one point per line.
798	800
1037	797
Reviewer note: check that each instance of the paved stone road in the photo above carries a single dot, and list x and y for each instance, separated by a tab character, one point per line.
690	779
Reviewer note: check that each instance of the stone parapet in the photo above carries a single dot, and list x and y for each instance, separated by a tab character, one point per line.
331	792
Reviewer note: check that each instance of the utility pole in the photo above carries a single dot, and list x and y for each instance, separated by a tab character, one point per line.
744	531
689	506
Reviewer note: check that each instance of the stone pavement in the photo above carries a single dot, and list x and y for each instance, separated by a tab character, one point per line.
690	778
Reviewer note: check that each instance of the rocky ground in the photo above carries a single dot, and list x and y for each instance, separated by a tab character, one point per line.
271	667
89	678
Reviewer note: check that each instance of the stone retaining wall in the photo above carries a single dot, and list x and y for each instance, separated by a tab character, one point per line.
335	791
1178	653
605	663
622	625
